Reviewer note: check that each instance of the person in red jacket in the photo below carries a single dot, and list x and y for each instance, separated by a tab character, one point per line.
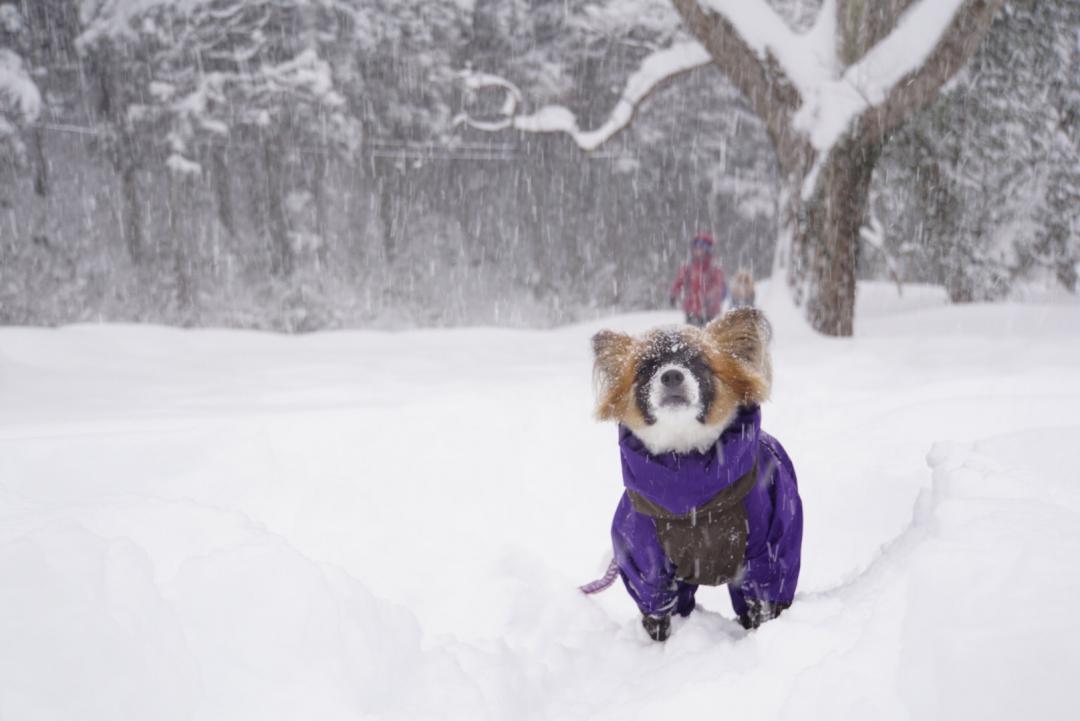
700	283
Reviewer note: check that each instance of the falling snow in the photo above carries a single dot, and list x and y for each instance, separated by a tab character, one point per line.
213	508
309	168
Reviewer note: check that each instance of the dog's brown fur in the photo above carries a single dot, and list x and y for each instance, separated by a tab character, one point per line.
735	346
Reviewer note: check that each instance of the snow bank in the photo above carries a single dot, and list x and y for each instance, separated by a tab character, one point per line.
212	524
132	607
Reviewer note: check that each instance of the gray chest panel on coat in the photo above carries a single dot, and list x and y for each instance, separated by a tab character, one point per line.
707	545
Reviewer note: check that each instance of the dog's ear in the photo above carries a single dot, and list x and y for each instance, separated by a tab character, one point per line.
744	334
613	373
611	351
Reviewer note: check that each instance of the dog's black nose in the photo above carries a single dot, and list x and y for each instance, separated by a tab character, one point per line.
671	378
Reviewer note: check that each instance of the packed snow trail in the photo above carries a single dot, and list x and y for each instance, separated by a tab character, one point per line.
212	524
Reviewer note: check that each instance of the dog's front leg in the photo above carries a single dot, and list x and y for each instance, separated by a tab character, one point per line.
658	627
758	612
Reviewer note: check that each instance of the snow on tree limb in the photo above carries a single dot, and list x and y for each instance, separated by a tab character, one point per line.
863	25
656	69
903	67
955	43
796	82
806	59
19	95
832	95
753	70
832	105
904	50
474	81
858	67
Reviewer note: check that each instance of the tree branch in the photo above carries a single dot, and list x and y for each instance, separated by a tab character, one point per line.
756	72
865	23
19	95
919	87
655	70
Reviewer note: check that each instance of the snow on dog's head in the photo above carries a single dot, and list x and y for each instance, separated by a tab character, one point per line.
678	388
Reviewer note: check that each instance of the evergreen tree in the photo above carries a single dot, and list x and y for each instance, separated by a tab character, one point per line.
975	183
1057	240
20	98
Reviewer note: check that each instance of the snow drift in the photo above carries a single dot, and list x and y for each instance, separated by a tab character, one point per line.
233	525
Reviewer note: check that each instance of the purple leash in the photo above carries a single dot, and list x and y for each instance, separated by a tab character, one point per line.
603	582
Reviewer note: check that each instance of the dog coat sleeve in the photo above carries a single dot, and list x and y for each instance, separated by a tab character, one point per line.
773	555
646	571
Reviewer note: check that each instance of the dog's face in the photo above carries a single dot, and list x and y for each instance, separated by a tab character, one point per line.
678	388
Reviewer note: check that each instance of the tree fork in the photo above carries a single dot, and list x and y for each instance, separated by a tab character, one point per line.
821	233
825	229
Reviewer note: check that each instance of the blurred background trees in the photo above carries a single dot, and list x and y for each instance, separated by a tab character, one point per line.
294	164
978	192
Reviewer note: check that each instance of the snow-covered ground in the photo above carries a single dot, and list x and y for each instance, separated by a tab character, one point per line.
234	525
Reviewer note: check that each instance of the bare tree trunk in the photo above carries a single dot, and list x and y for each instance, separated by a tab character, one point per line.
318	191
180	229
219	180
386	218
41	166
1067	275
132	220
827	239
121	149
40	231
390	209
959	288
865	23
281	255
254	192
358	210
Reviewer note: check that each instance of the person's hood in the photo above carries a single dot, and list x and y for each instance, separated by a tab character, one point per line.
682	481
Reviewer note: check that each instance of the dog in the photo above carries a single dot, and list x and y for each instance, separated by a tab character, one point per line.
710	499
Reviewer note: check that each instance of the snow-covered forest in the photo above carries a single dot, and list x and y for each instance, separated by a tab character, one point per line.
302	164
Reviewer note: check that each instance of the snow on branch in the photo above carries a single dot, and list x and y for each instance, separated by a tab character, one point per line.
806	59
833	95
904	50
657	68
773	66
928	62
17	89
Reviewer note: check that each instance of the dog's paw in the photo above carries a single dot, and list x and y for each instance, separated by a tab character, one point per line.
758	612
658	627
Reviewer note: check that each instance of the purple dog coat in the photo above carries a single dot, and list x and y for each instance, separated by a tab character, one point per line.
729	515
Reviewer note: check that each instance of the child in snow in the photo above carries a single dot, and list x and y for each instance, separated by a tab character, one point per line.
742	289
700	283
